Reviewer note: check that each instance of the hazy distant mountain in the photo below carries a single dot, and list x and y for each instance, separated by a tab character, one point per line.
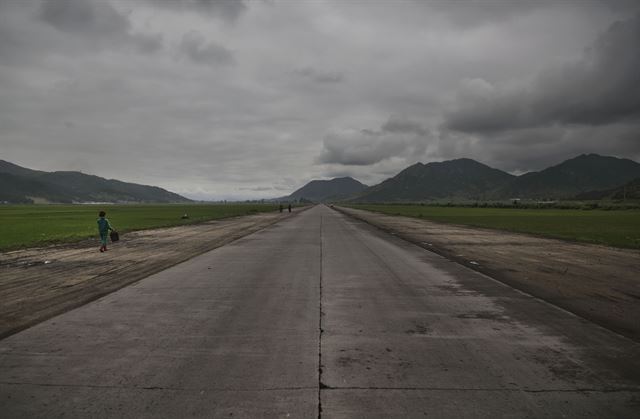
587	172
22	185
461	178
630	190
328	190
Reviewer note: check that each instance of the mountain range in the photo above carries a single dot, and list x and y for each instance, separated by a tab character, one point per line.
630	190
588	172
588	176
460	178
21	185
470	180
336	189
467	179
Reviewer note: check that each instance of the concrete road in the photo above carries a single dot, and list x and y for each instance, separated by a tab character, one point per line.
318	316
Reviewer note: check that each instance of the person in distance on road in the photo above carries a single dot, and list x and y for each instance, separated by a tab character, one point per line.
289	207
103	229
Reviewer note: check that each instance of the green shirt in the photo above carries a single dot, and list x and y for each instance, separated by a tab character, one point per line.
103	225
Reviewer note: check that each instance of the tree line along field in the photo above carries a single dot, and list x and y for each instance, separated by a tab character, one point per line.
34	225
619	228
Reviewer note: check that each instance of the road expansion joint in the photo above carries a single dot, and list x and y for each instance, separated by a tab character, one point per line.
483	270
321	385
159	388
492	390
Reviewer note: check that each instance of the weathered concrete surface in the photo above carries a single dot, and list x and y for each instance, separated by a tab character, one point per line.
38	283
238	331
232	331
408	333
599	283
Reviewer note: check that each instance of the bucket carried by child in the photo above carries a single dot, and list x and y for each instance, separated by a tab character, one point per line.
114	236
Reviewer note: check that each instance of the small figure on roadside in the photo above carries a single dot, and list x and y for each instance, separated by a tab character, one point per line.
280	207
103	229
289	207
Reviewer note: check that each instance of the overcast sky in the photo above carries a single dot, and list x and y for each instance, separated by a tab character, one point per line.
234	100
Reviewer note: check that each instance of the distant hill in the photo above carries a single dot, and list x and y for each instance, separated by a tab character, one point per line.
21	185
466	179
14	169
630	190
587	172
460	178
328	190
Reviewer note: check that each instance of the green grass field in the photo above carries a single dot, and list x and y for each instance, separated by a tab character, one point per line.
34	225
612	228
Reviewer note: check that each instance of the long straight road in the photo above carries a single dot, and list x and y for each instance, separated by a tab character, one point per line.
318	316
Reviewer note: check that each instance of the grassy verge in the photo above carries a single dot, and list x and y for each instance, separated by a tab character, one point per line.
611	228
34	225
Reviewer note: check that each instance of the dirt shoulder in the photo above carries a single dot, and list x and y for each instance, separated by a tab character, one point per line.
38	283
598	283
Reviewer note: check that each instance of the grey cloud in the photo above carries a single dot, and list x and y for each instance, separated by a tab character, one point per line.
148	43
11	44
113	90
396	138
472	13
97	23
196	48
403	125
84	16
627	6
257	188
320	76
270	188
600	88
226	9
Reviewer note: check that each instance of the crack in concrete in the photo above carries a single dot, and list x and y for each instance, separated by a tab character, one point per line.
323	386
320	383
117	387
494	390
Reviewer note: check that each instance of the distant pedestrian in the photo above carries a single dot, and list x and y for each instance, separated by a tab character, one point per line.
103	229
280	207
289	207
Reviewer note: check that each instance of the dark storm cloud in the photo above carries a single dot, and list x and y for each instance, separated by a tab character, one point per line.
396	138
320	76
226	9
600	88
195	47
127	89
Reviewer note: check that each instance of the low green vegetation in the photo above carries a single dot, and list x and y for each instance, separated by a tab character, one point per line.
620	228
34	225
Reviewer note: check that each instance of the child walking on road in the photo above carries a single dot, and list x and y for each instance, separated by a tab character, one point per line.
103	229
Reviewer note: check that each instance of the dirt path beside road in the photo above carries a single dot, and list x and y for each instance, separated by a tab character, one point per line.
598	283
38	283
